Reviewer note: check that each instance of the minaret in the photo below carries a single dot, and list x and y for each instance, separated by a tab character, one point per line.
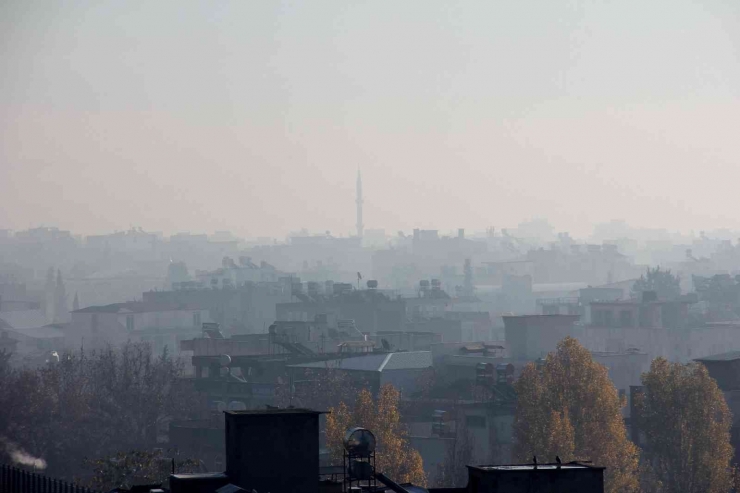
359	205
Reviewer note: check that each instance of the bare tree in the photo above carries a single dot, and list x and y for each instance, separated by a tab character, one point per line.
92	404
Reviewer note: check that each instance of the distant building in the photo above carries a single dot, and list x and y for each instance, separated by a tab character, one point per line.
529	337
161	324
242	309
405	340
124	241
402	370
371	310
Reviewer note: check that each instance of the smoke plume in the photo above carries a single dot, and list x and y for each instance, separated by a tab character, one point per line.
20	456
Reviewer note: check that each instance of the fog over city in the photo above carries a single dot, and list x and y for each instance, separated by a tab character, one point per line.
363	247
254	117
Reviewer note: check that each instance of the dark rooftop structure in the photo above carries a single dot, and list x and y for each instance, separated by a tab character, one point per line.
277	450
266	450
724	368
573	477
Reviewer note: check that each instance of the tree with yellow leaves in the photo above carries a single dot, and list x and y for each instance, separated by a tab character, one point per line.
394	457
570	408
686	424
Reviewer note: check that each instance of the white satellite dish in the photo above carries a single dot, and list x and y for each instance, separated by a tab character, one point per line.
224	360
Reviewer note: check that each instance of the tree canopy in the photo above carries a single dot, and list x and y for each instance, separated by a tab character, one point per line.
126	469
394	456
570	408
686	424
666	285
90	405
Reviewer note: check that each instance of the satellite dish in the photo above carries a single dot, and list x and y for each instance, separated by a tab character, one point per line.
359	441
220	406
224	360
237	406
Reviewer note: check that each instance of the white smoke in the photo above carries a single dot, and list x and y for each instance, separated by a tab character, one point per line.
20	456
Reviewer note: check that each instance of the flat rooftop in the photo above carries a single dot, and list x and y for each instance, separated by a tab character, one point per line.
531	467
270	412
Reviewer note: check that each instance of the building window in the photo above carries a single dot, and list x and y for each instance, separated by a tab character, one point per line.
129	322
196	319
475	421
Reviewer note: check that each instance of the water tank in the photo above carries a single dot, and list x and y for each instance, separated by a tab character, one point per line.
372	284
359	441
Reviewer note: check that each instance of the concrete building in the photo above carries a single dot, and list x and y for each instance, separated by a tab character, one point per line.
448	330
161	324
371	310
529	337
248	308
233	274
405	341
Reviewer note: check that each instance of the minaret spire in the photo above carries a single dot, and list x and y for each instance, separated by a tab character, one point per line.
360	226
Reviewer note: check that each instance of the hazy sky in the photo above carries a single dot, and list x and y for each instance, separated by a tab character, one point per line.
254	116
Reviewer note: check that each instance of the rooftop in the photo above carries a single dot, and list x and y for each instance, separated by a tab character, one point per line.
271	412
553	316
730	356
138	307
23	319
45	332
530	467
377	362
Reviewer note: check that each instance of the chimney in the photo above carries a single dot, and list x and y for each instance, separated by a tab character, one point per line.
273	450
